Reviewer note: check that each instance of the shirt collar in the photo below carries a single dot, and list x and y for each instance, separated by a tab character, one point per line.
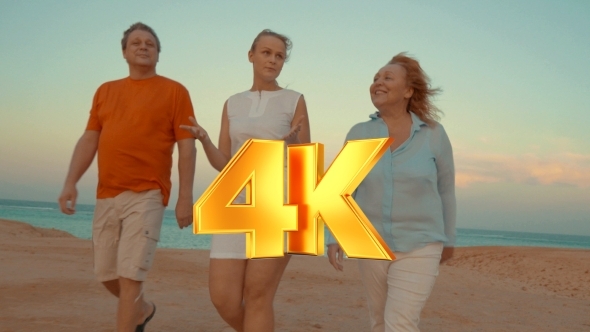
374	116
416	122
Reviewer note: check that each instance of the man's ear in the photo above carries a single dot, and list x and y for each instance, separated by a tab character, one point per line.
250	55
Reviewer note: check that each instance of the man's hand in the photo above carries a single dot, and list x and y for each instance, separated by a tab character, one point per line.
67	199
447	254
81	160
184	212
196	130
336	256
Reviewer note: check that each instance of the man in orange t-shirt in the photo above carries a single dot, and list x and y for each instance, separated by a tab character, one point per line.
134	123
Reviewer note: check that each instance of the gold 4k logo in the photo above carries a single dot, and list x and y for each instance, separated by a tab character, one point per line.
314	198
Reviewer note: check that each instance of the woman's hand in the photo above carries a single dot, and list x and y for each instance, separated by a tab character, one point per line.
336	256
447	254
196	130
293	136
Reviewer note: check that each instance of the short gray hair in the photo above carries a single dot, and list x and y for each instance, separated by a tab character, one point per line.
139	26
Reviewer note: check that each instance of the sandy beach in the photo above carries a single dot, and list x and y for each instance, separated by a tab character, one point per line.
47	284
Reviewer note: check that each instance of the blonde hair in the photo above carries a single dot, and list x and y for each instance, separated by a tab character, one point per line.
420	103
269	32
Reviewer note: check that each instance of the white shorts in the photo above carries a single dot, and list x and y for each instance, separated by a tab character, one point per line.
233	246
228	246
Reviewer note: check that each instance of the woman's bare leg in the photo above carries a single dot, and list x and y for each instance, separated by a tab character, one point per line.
226	287
260	286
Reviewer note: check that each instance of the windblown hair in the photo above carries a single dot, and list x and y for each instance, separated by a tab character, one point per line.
283	38
139	26
420	102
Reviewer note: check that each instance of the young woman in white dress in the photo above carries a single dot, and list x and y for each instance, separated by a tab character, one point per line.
243	290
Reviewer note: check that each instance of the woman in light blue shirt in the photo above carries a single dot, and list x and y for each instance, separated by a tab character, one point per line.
409	196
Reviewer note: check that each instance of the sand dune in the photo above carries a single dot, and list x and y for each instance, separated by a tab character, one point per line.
47	284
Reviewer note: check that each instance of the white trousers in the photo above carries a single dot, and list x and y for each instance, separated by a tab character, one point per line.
397	290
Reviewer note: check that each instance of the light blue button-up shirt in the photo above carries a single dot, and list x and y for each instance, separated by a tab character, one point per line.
409	195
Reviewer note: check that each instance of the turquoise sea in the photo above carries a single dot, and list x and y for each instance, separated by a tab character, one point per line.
47	215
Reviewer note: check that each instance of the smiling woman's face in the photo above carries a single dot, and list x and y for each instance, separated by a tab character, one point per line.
389	88
268	57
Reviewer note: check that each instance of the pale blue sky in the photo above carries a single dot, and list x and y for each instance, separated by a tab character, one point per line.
515	79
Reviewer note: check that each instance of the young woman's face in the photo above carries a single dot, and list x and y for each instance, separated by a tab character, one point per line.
268	57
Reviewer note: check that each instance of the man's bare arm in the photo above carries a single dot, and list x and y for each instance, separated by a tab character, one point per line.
187	155
84	153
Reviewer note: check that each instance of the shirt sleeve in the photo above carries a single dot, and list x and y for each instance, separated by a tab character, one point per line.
446	183
94	120
182	110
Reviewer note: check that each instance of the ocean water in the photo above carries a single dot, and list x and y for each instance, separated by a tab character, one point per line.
48	215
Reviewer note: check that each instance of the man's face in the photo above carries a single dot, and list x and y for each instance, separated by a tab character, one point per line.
141	49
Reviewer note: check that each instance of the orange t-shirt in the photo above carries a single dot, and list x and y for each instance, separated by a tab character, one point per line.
139	123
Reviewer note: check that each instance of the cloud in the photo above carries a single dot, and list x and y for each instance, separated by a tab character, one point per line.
556	169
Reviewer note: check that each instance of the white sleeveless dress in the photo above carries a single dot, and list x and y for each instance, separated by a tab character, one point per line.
253	114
